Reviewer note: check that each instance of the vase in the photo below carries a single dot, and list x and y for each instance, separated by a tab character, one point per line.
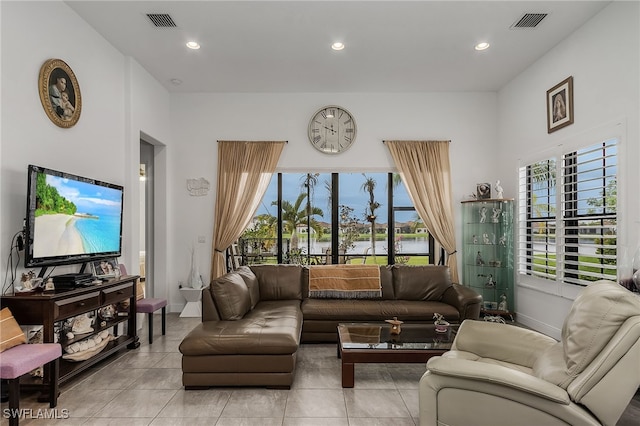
195	281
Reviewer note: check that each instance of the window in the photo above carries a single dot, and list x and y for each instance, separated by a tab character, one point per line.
568	216
319	218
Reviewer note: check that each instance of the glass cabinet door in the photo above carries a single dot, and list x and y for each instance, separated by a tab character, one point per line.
488	253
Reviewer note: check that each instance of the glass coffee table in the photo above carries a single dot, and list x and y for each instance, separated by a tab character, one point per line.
373	342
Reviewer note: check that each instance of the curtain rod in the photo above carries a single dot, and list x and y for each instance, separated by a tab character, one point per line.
218	141
417	140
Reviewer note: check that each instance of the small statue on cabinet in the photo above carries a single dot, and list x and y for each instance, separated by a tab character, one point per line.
26	280
485	238
474	239
495	217
503	240
479	260
49	285
502	306
499	190
483	214
490	282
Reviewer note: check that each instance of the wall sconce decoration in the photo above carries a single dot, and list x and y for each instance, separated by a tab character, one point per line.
198	187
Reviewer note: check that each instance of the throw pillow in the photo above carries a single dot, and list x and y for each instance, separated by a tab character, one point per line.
10	332
231	296
279	282
251	281
420	282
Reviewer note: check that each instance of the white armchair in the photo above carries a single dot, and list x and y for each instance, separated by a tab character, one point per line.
499	374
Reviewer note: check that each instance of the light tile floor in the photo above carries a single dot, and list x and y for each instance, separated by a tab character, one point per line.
144	387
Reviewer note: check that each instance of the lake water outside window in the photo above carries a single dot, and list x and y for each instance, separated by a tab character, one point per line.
356	204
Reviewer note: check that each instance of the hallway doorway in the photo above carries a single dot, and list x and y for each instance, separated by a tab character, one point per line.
147	189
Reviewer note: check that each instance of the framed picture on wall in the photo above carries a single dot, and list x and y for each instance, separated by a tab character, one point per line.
59	93
560	105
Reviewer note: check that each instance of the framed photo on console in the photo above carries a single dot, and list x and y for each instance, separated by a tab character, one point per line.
483	191
560	105
105	268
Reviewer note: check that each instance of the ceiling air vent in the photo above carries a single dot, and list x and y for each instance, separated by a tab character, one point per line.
529	20
161	20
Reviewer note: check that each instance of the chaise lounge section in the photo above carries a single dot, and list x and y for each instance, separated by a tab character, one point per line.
255	318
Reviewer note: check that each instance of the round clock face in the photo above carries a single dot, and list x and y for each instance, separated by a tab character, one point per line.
332	130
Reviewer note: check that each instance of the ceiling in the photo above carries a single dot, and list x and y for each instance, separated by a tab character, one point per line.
284	46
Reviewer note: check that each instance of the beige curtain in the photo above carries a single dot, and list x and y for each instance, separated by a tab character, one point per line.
244	172
426	172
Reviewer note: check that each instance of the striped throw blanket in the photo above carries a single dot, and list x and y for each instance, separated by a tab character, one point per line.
344	282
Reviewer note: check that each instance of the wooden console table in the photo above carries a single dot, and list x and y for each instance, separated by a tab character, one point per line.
49	307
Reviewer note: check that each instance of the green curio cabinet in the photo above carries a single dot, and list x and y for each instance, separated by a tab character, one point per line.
487	238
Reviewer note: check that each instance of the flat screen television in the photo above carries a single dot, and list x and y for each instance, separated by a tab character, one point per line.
71	219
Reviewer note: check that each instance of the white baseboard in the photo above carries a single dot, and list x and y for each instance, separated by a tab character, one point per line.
539	326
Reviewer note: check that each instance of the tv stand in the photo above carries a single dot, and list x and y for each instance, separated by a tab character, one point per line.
50	307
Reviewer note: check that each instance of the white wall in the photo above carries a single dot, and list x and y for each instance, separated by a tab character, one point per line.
119	100
603	58
95	145
199	120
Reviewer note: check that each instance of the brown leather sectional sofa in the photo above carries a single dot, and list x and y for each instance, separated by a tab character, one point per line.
254	319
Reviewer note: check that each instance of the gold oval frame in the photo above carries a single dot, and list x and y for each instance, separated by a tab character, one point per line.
52	97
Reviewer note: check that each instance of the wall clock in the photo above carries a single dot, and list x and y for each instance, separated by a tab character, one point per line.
332	130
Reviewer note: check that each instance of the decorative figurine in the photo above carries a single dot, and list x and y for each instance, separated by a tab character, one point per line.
483	214
81	324
441	324
503	240
490	282
50	285
499	190
495	217
479	260
502	306
26	280
485	238
475	239
494	318
395	325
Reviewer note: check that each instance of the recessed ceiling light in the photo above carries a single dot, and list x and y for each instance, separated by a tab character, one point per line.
482	46
193	45
337	46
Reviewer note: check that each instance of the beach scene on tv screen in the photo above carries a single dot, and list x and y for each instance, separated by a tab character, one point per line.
74	217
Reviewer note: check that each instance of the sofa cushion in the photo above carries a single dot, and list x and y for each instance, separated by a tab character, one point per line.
386	281
346	310
273	327
251	281
231	296
420	282
279	282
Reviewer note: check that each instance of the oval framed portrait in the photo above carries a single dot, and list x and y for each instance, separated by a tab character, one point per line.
59	93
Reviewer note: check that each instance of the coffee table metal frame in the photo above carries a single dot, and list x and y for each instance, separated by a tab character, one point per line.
400	352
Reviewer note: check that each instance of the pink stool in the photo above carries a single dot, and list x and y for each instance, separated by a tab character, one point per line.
149	305
18	361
